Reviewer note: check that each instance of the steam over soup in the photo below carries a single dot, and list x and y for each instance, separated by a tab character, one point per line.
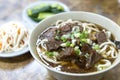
77	47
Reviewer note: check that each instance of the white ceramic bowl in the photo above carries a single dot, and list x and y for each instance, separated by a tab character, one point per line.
19	52
32	23
84	16
14	54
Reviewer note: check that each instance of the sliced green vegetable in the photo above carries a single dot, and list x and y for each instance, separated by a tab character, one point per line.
44	15
39	12
59	7
42	9
35	19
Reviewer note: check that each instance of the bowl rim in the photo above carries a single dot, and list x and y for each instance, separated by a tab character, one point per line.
15	53
68	73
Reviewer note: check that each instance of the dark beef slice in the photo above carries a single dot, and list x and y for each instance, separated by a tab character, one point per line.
101	37
49	34
53	44
81	62
66	28
67	54
92	59
85	48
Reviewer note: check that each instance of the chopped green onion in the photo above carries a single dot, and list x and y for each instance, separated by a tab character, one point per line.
72	36
96	47
63	39
68	43
76	47
87	55
72	45
83	41
77	50
77	35
55	53
83	35
63	44
57	32
57	37
49	54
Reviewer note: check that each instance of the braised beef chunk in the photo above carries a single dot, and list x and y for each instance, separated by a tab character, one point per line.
101	37
49	34
92	59
85	48
67	54
66	28
117	43
53	44
81	62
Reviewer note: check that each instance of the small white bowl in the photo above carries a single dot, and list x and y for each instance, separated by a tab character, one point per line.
14	54
21	51
32	23
84	16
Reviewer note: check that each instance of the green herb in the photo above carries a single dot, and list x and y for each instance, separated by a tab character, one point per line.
72	45
67	43
72	36
83	41
77	35
77	51
63	39
87	55
57	37
63	44
49	54
96	47
84	35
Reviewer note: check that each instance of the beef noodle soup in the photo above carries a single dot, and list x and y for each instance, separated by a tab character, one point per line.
77	47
